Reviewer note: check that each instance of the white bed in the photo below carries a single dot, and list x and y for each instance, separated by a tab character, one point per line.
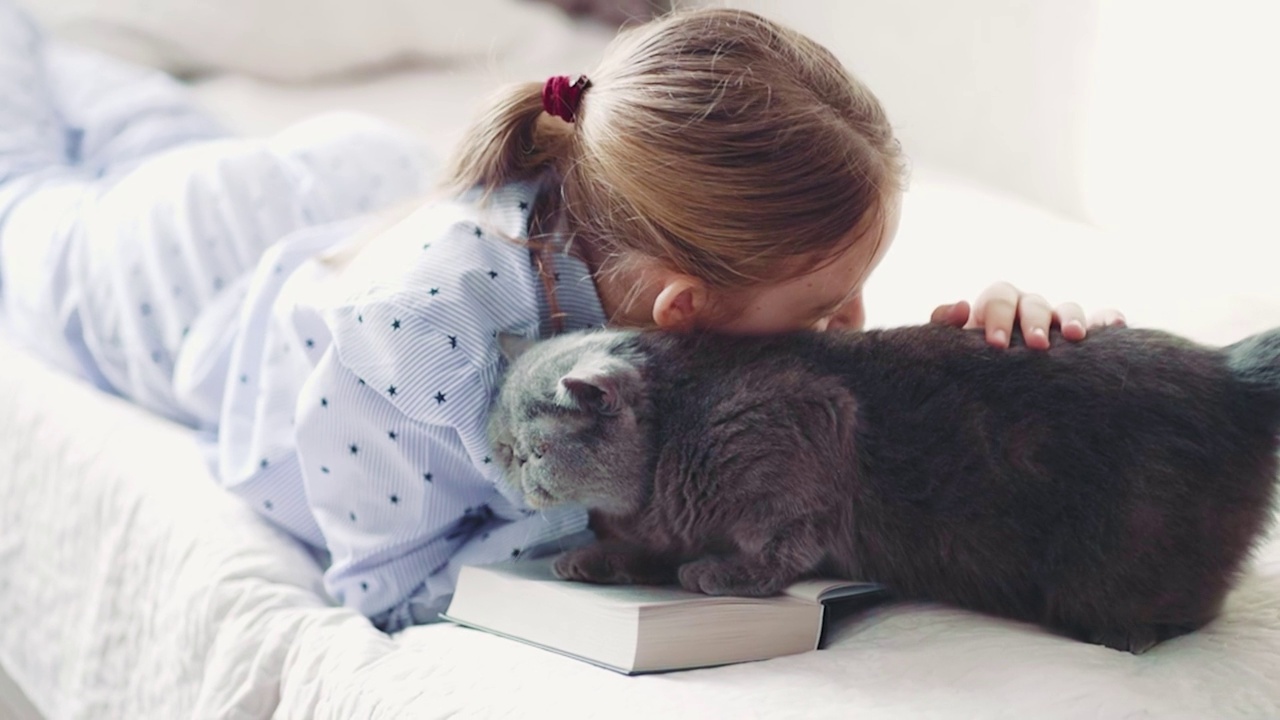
132	587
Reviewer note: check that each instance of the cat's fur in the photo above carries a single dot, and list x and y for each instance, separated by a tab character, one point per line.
1110	489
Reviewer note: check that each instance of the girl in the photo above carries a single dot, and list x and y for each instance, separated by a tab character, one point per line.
715	171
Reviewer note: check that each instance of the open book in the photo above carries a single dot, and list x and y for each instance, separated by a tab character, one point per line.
637	629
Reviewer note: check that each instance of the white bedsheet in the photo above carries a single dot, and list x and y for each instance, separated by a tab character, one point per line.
131	586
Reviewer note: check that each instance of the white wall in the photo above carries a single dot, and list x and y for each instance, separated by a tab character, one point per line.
987	88
1183	132
1142	113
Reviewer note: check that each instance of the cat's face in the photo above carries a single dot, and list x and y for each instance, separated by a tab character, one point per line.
570	423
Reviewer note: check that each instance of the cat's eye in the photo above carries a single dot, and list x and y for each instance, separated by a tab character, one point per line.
539	451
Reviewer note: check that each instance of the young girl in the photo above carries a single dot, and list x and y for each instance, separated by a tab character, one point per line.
716	171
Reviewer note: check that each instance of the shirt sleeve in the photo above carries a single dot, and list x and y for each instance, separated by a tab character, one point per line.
391	422
393	496
397	467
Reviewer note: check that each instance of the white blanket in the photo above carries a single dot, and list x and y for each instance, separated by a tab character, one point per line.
131	586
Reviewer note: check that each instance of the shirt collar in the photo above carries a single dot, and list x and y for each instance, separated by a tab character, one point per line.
575	288
575	294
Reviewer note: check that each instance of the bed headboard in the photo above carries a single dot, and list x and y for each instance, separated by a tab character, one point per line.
613	12
306	40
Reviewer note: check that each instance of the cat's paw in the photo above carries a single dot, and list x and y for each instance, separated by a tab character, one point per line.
613	563
587	564
713	576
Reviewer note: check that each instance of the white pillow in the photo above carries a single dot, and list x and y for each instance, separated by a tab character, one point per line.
293	40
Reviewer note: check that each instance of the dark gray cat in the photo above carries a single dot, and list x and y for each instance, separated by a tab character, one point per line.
1109	489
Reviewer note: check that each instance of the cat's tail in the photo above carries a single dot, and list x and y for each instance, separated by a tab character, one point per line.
1256	360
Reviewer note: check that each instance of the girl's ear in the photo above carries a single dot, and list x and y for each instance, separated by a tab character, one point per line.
679	303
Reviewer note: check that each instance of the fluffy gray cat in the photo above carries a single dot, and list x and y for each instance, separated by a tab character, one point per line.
1109	489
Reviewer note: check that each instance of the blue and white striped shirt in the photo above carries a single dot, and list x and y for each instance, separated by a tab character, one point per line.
143	250
358	419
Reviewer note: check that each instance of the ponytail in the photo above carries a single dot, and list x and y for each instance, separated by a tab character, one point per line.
513	140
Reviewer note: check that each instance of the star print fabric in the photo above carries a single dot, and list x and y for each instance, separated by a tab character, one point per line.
140	221
187	272
390	438
68	124
33	139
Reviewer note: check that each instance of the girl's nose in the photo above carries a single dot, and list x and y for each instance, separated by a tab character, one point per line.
851	316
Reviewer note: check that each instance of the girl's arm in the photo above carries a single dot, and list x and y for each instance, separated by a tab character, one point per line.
398	470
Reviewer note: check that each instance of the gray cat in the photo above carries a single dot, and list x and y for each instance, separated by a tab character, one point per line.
1109	489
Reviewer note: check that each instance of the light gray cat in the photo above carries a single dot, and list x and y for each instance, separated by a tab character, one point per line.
1109	489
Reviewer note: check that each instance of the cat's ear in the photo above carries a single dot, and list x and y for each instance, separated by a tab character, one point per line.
599	382
513	346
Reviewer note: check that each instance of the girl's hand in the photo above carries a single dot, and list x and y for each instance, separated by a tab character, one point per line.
1002	304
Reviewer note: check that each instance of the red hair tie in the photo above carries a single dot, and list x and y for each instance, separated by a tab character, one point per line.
561	98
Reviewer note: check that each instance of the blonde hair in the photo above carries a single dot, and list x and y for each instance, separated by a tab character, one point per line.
731	148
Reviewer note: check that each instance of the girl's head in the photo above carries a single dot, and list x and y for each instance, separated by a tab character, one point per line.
722	172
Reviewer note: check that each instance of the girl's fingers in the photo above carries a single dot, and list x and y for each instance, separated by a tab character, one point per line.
995	312
955	315
1002	305
1107	317
1035	317
1070	317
